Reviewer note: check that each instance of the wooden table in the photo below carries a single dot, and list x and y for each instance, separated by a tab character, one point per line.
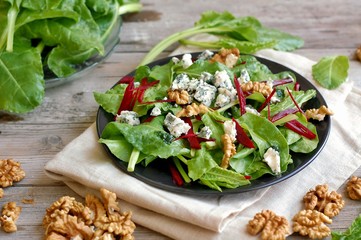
329	27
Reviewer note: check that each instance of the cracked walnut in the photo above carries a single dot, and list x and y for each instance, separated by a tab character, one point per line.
97	219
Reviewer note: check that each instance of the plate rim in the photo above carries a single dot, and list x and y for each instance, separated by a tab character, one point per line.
225	191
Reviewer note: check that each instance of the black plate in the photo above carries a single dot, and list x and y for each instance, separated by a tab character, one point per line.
158	176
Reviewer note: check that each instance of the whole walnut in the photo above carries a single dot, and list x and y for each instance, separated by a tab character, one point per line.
353	188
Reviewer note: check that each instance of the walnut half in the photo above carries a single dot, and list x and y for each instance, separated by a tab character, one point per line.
229	149
353	188
9	215
318	113
311	223
97	219
271	226
10	171
329	203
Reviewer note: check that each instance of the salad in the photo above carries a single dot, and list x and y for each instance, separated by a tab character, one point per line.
219	119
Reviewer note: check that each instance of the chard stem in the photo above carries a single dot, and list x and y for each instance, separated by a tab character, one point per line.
129	8
12	14
165	43
181	170
208	45
133	160
183	159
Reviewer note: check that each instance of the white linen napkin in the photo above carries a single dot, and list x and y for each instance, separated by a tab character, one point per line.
85	167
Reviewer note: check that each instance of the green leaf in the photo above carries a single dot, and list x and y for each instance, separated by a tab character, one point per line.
149	138
201	163
331	72
353	233
213	19
21	91
266	135
111	99
218	177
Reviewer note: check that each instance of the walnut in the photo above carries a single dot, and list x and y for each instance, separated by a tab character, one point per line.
9	215
1	192
10	171
192	110
64	206
67	218
358	53
115	221
179	96
229	149
329	203
110	201
318	113
269	225
71	227
229	57
311	223
261	87
353	188
96	209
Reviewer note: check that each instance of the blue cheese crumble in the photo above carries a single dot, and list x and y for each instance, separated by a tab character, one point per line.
205	132
221	79
186	60
252	110
230	129
205	55
129	117
175	125
206	77
180	82
155	112
272	158
225	96
205	93
244	77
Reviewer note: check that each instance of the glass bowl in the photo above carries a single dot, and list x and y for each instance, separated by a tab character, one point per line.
83	69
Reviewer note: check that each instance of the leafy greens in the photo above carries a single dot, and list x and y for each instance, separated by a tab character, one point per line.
353	233
331	72
40	38
245	33
152	141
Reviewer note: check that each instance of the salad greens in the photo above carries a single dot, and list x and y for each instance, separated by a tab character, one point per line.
41	38
353	233
245	33
331	72
263	137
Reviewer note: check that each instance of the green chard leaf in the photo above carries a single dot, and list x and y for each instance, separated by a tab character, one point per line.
51	37
353	233
331	72
149	138
218	177
227	26
21	91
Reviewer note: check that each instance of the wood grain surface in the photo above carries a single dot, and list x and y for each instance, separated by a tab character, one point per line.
331	27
